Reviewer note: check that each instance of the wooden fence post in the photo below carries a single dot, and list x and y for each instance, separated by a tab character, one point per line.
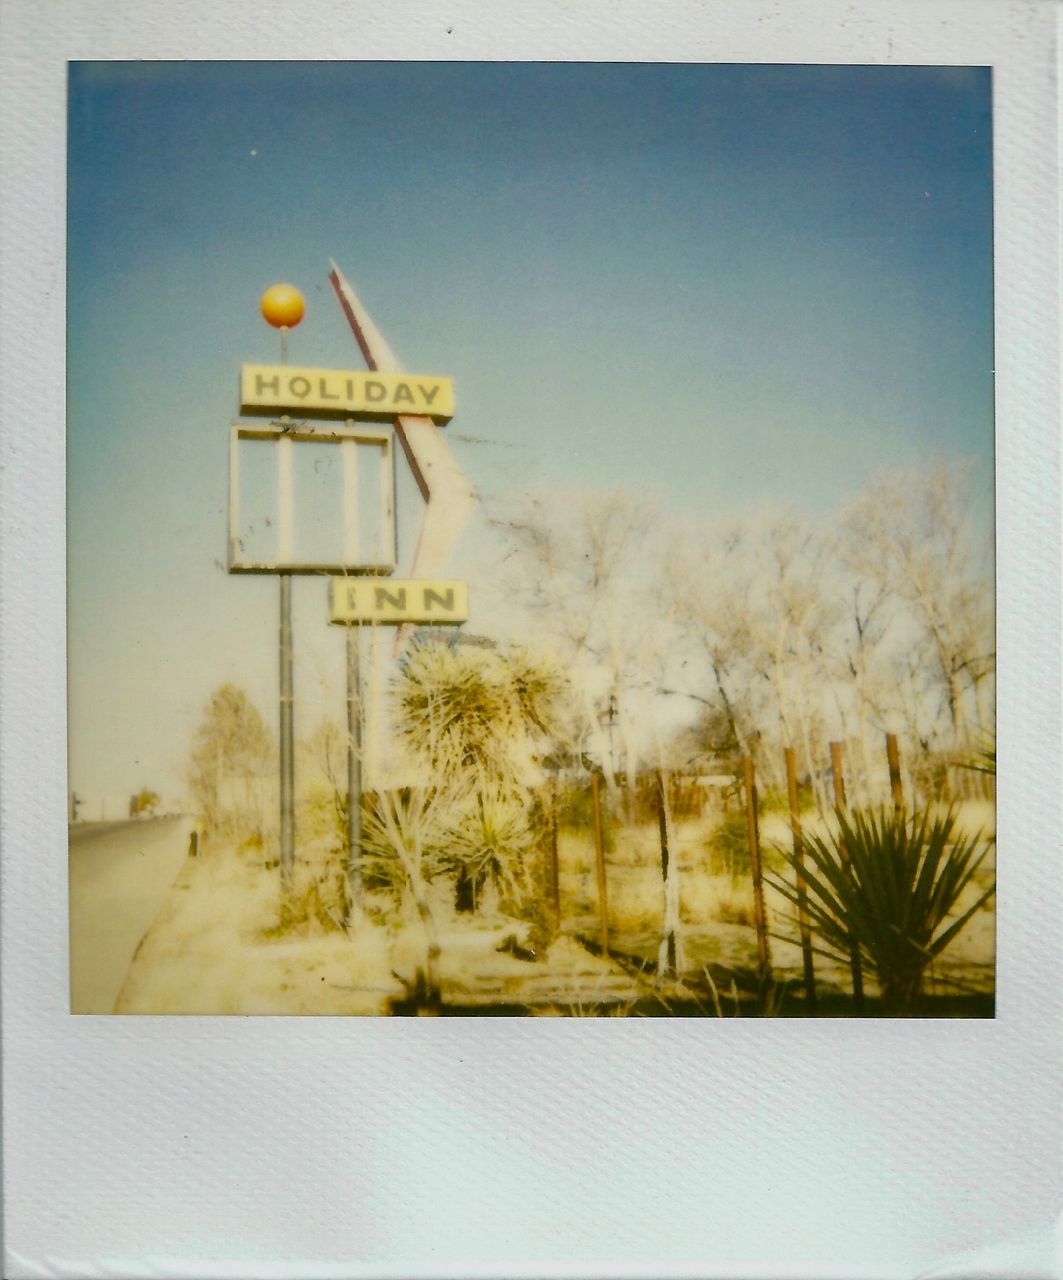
837	776
668	959
893	759
753	836
599	863
802	904
855	966
555	869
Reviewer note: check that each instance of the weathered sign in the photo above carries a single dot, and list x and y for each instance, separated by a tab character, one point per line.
390	601
341	393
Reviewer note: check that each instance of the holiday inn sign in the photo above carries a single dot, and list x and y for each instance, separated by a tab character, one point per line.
339	393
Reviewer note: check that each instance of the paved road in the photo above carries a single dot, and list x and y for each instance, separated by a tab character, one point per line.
120	874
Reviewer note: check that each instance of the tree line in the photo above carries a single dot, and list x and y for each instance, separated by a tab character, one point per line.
779	629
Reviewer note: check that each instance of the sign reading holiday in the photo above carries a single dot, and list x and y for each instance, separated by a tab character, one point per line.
339	393
391	601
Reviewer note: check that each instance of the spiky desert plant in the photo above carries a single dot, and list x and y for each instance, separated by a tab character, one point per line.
463	709
490	839
453	707
888	883
404	837
983	758
537	694
476	722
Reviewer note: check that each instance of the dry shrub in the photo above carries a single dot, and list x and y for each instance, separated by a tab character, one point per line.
316	908
317	900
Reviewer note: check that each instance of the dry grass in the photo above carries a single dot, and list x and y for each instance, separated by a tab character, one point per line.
633	877
228	942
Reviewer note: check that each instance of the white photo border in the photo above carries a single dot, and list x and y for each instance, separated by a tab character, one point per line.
284	1147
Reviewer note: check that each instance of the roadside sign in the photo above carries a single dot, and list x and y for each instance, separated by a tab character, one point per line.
324	504
391	602
342	393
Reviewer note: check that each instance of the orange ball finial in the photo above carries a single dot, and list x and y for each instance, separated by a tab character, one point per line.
282	306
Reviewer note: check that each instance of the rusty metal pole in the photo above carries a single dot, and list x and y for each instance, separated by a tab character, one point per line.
753	836
599	863
354	763
287	735
893	758
287	690
855	966
802	902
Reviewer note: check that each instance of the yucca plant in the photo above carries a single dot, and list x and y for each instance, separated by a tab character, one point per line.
453	706
489	841
476	722
983	758
478	709
537	691
404	835
887	883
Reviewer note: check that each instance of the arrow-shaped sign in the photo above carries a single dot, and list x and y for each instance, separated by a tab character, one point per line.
449	497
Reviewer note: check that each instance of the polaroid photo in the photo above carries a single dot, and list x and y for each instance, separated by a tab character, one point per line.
520	526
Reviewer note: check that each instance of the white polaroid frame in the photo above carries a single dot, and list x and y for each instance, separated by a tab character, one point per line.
282	1147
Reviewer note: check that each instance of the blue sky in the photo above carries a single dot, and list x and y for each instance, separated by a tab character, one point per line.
740	285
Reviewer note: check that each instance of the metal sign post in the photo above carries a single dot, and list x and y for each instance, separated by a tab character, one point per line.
287	734
416	406
287	664
354	762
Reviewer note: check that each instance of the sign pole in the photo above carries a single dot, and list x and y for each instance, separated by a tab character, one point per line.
287	675
287	735
354	763
287	690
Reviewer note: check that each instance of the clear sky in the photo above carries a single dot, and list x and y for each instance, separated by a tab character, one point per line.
740	285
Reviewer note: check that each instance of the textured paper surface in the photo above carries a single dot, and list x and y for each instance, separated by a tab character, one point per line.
312	1147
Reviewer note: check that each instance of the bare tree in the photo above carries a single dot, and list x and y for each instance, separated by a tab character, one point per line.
231	749
910	536
791	611
753	599
580	562
706	592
